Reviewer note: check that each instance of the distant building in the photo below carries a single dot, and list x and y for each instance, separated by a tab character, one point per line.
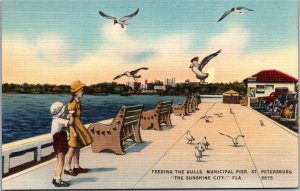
158	82
265	82
170	82
149	86
134	85
159	87
130	84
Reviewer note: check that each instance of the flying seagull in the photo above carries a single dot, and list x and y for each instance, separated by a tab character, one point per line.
238	10
197	67
189	137
234	139
122	20
131	74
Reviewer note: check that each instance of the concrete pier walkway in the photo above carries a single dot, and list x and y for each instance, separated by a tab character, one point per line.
267	157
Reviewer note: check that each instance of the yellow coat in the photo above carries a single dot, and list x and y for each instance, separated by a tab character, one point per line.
83	137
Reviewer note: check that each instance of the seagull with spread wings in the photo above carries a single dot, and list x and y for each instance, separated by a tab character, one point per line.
234	139
197	67
122	20
238	10
131	74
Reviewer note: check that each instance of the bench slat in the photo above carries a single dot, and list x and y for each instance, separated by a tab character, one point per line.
166	110
135	107
166	106
166	102
131	118
133	113
131	122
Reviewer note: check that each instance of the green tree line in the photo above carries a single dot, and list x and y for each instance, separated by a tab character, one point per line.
114	88
100	88
207	89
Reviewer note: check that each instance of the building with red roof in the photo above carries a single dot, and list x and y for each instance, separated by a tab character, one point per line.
265	82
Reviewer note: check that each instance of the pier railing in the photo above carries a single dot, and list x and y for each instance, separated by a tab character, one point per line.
17	148
34	144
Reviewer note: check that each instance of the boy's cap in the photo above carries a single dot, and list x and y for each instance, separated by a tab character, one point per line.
77	85
57	109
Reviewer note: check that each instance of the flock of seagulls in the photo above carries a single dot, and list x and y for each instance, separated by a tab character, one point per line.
203	146
200	147
195	66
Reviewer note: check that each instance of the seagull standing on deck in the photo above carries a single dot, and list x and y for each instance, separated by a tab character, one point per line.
237	10
189	137
197	67
261	123
131	74
234	139
122	20
205	143
198	153
219	114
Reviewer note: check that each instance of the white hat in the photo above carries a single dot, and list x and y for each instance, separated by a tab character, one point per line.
57	109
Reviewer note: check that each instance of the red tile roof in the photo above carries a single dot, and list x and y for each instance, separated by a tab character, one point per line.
272	76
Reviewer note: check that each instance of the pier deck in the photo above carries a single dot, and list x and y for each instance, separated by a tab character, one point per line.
266	157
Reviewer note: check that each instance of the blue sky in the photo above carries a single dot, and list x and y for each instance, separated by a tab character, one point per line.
272	25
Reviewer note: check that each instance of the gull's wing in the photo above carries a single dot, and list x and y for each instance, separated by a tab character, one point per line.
225	14
125	18
209	117
137	70
245	8
107	16
207	59
240	136
227	136
118	76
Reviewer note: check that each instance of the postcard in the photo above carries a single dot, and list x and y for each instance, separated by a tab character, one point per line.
168	94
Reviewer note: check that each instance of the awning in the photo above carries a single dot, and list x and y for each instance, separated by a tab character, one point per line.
231	92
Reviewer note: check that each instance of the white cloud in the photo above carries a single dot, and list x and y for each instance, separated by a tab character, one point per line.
55	49
21	61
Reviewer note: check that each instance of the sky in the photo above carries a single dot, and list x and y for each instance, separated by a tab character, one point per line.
58	42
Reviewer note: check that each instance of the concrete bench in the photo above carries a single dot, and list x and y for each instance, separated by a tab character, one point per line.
154	118
181	108
125	125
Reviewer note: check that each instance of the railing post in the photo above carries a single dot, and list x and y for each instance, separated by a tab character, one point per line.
38	153
5	163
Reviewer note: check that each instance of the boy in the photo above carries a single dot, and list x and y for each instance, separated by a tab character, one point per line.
60	141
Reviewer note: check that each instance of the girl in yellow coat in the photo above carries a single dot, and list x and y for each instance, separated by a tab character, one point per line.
79	136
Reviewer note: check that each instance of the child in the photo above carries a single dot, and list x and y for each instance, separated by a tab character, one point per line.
79	136
60	141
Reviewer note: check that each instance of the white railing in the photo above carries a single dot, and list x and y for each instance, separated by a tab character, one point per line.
33	144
